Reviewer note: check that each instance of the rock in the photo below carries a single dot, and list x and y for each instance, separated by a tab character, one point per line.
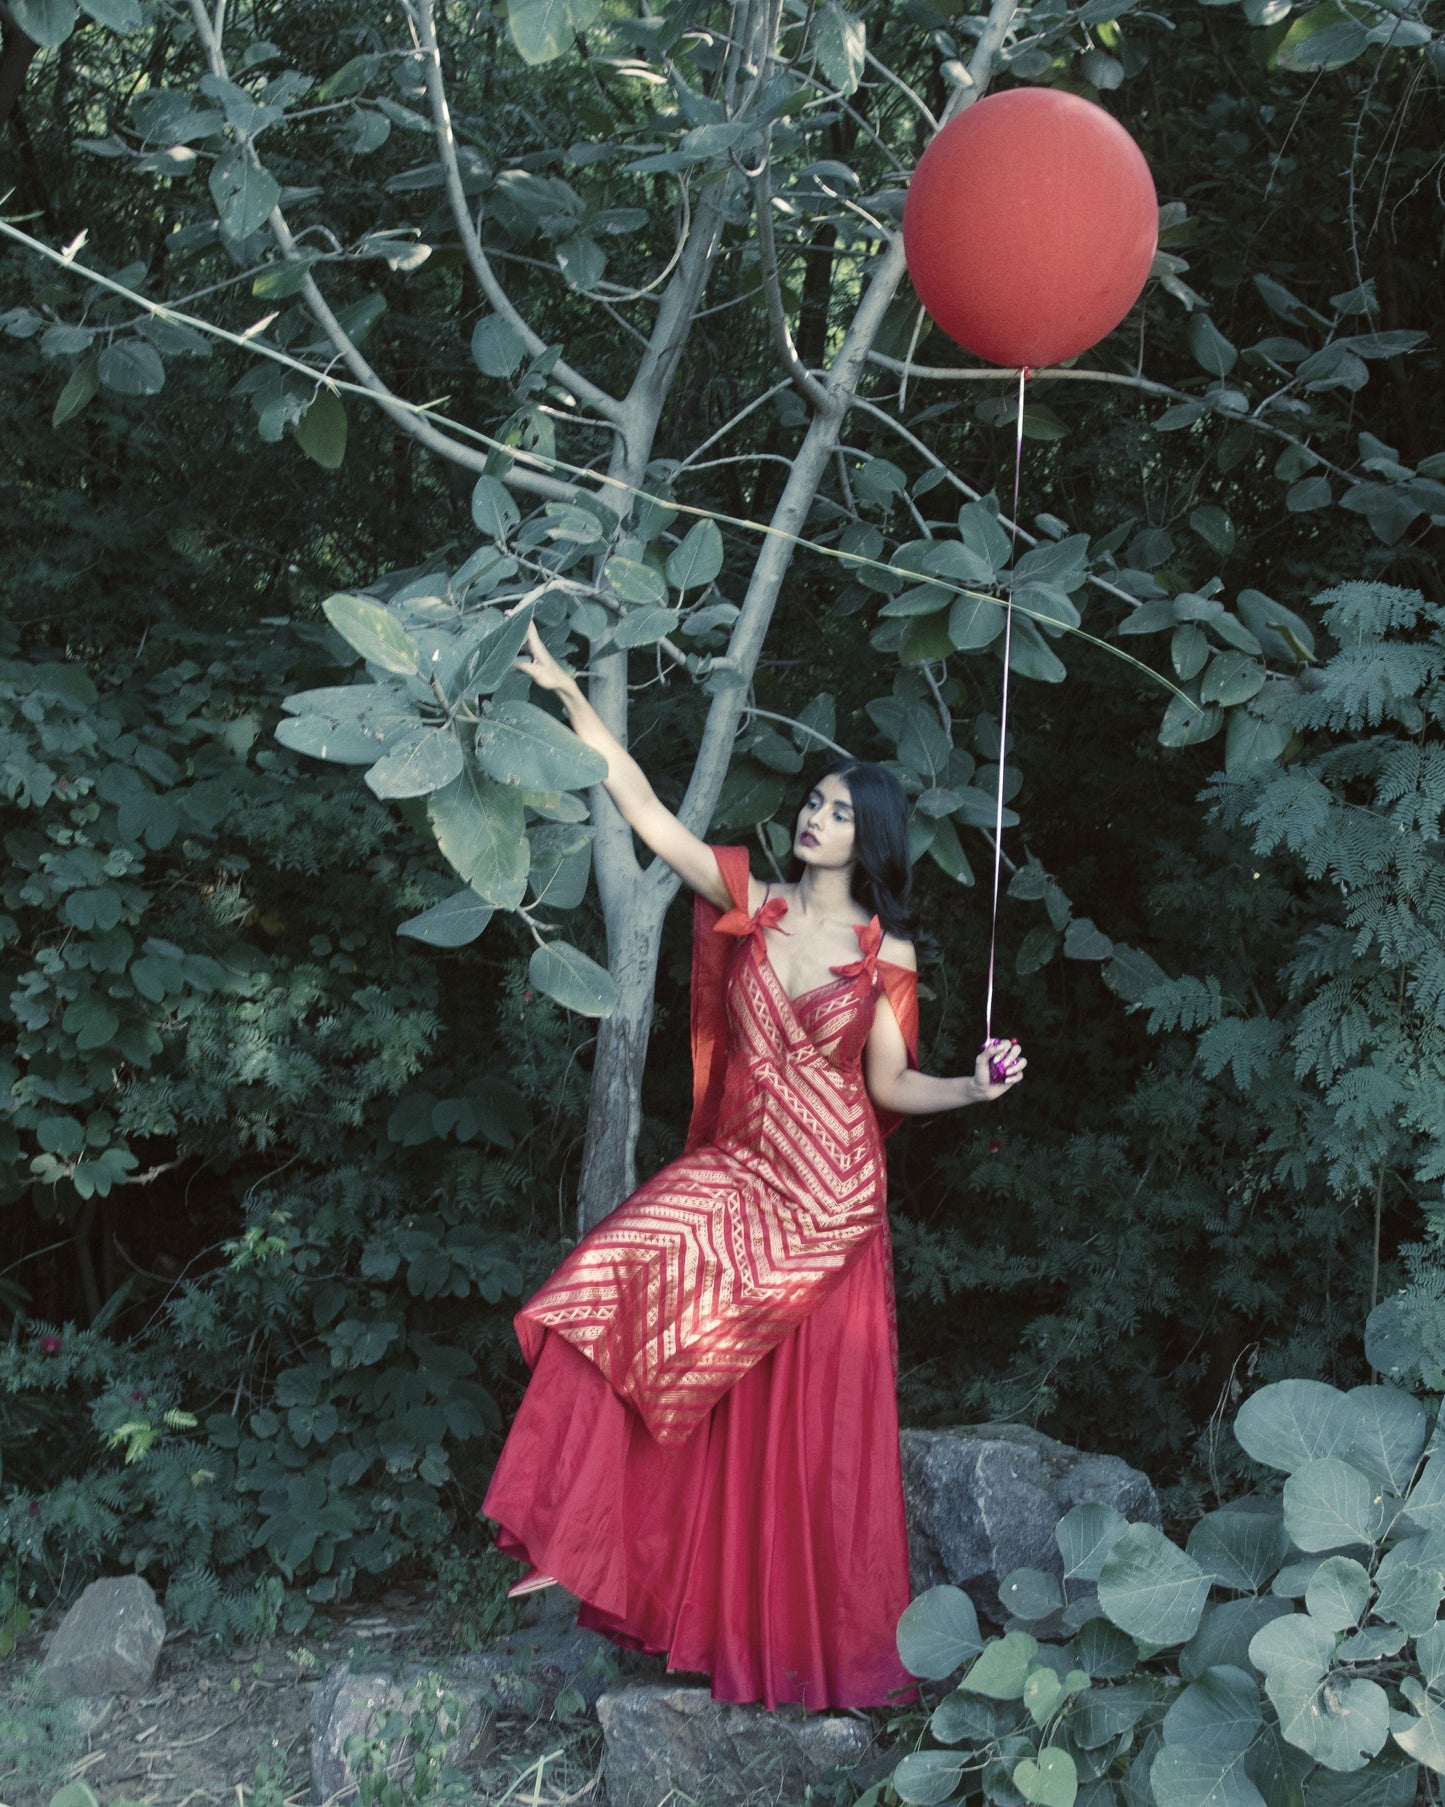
984	1500
523	1673
109	1642
665	1743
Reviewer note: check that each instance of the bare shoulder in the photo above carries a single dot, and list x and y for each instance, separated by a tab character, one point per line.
898	952
761	890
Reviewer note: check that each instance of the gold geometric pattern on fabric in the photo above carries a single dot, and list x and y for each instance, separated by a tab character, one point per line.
714	1260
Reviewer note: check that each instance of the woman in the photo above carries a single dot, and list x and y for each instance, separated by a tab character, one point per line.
707	1454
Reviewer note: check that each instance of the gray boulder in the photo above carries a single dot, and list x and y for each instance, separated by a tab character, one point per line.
663	1743
984	1500
109	1642
521	1674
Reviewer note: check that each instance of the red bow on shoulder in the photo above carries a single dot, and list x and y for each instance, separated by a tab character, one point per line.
870	939
766	916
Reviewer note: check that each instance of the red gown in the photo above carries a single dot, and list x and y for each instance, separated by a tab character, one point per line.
707	1453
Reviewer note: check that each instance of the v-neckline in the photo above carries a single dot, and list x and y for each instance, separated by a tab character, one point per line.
835	979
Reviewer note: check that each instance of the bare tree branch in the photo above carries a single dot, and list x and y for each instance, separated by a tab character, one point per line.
423	16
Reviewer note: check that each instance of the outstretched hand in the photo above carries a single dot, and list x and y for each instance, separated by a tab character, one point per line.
1010	1056
539	665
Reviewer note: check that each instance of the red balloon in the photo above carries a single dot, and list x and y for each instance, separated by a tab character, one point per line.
1030	226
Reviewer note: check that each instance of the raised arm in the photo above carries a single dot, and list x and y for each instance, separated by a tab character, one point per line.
649	818
894	1086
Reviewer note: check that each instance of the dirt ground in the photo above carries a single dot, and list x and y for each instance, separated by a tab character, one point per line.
232	1726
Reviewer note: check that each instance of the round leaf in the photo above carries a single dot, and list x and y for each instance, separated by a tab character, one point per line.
321	430
517	743
576	982
244	194
1085	1535
698	559
132	367
1239	1549
1052	1781
1030	1594
1231	678
1151	1588
1249	738
1391	1435
1292	1422
497	347
481	830
938	1633
1002	1669
375	633
974	622
418	767
1186	1776
1338	1593
1341	1722
48	22
454	922
1218	1712
927	1777
1329	1505
493	509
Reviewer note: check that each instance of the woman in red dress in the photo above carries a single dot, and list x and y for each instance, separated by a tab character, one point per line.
707	1453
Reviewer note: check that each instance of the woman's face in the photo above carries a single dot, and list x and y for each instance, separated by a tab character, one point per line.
824	832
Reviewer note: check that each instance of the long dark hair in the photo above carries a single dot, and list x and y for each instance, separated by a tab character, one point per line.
882	868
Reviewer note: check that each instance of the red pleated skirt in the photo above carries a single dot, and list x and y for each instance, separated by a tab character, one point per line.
769	1550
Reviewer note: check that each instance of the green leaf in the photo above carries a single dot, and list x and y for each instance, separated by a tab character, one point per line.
1338	1593
454	922
1385	1783
1426	1501
1225	1631
1249	738
1186	723
697	561
1184	1775
1391	1435
974	622
48	22
1215	528
1231	678
244	194
1341	1722
1219	1711
374	632
1082	941
1002	1669
78	393
1052	1781
498	349
1208	346
1328	1506
75	1794
582	261
543	29
842	44
1239	1549
1409	1585
132	367
1326	37
938	1633
493	655
927	1777
493	508
91	1021
124	16
1132	973
416	768
576	982
321	430
1291	1422
1085	1536
1151	1588
561	864
481	830
1031	656
1309	493
1036	949
517	743
1030	1593
636	581
1042	1693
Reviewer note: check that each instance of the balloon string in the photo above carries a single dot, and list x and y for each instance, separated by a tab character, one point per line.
1008	622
